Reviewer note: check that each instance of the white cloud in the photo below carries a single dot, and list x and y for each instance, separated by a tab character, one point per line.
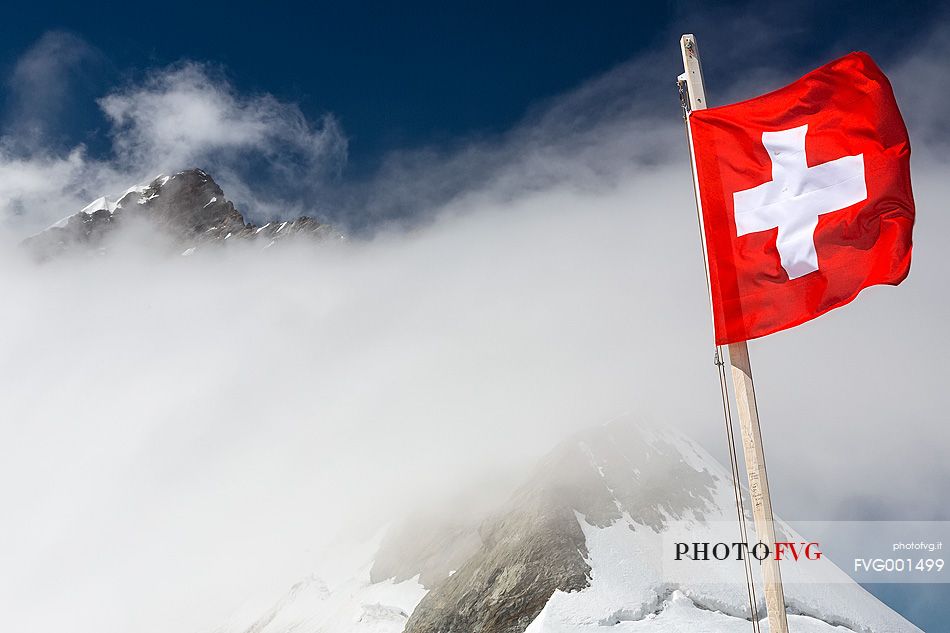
190	115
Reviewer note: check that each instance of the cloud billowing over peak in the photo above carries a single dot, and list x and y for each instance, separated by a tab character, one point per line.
272	160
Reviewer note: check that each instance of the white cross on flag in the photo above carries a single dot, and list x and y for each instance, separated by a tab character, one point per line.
805	196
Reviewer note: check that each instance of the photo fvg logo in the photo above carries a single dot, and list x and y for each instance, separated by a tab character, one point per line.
784	550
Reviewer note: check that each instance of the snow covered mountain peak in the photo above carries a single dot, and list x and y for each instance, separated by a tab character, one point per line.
188	209
581	547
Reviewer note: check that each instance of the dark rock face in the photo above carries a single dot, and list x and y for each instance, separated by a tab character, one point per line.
535	545
188	208
527	553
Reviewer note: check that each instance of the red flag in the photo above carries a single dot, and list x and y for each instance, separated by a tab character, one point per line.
806	197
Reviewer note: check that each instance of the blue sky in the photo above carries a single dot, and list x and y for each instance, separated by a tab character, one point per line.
422	82
406	74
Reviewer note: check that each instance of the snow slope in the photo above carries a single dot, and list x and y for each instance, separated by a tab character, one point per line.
679	614
358	606
348	601
637	586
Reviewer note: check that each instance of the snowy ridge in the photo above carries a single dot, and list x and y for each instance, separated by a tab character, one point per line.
110	206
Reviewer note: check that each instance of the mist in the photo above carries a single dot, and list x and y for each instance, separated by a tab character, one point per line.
181	434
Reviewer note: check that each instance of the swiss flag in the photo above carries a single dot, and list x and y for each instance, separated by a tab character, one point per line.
806	197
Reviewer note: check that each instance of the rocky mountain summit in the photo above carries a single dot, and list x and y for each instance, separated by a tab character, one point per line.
584	545
188	209
535	545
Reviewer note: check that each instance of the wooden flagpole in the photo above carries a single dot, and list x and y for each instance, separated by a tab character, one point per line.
744	393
